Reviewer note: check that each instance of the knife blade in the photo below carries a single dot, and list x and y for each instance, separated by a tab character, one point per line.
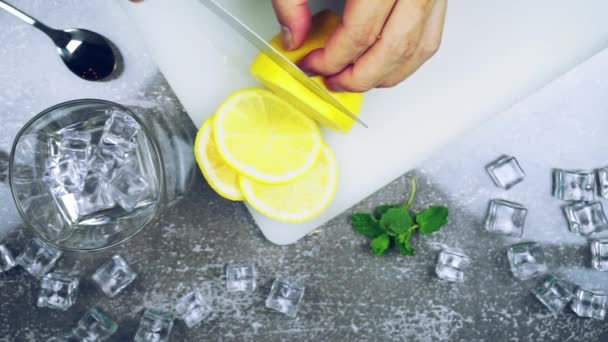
277	57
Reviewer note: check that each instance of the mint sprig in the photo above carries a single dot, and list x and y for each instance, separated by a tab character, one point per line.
395	224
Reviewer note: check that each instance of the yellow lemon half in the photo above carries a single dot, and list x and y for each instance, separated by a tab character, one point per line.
265	138
301	200
220	176
283	84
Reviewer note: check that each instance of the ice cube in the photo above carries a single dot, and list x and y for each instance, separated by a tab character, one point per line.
38	258
76	144
599	254
94	326
7	261
505	217
506	172
602	181
68	207
129	188
241	277
574	185
43	212
58	291
451	264
114	276
553	293
155	326
586	218
590	304
192	308
285	296
94	196
65	175
107	159
121	130
527	260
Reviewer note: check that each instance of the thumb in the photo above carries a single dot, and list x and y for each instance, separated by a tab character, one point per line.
295	18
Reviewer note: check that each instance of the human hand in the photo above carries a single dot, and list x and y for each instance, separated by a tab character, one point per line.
376	45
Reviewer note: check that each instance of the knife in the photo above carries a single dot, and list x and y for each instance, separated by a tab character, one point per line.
277	57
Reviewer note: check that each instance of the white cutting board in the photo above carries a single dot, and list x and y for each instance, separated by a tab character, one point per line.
493	53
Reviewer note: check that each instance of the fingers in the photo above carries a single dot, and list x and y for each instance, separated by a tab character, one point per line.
359	30
295	18
428	46
398	44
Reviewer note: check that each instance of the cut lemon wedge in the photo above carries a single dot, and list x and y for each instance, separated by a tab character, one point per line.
301	200
220	176
264	138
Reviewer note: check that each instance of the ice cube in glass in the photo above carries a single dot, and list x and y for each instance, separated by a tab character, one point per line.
155	326
451	264
94	326
58	291
527	260
76	144
506	172
574	185
114	276
599	254
192	308
602	181
120	130
591	304
240	277
129	188
7	261
65	175
94	196
285	296
553	293
505	217
38	258
586	218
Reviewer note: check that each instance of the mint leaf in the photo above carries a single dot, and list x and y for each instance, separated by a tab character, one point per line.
404	244
432	219
396	221
381	210
380	244
366	224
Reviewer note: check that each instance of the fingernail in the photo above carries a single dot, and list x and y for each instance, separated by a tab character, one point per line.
287	37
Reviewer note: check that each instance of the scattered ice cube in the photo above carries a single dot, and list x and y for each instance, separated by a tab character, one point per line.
590	304
94	326
155	326
65	175
76	144
527	260
120	130
192	308
241	277
451	264
129	188
586	218
599	254
506	218
58	291
7	261
114	276
574	185
602	181
94	196
506	172
285	296
38	258
554	293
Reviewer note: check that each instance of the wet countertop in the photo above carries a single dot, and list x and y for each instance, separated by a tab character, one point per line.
350	294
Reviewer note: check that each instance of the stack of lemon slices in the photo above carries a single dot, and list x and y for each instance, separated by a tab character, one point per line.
265	146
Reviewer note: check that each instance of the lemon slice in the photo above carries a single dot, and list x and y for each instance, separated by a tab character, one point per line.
221	177
265	138
301	200
288	88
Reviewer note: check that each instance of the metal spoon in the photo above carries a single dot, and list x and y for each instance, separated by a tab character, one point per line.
87	54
